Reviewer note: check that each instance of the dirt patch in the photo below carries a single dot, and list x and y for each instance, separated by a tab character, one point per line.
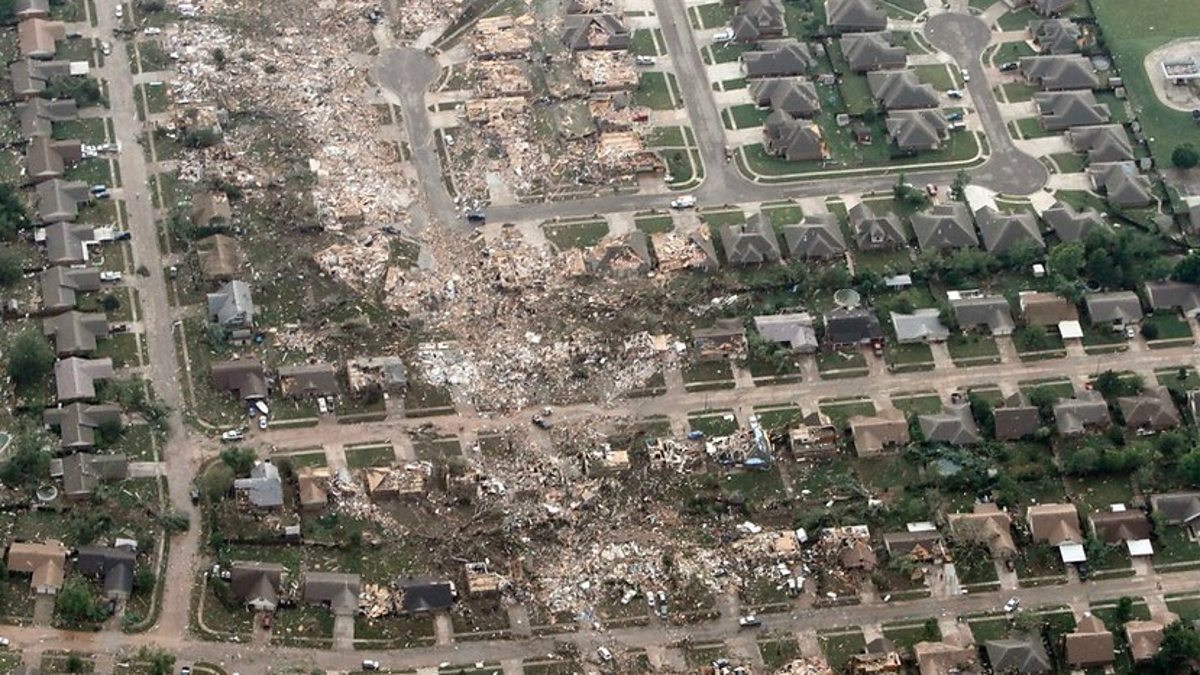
1184	97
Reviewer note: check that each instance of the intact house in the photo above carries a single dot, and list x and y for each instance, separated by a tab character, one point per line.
112	566
75	333
921	326
1174	296
724	340
245	378
855	16
872	51
945	227
795	140
38	38
1070	225
1056	36
1061	110
44	562
1058	526
595	31
1152	410
1055	73
77	423
308	381
58	200
1043	7
917	130
852	328
778	58
992	311
988	525
1117	309
263	489
1086	411
46	158
82	472
424	596
901	90
1121	184
31	9
794	330
61	286
75	378
954	425
876	434
1016	419
754	20
1004	232
232	307
1102	143
876	232
257	584
817	237
1120	525
67	243
1090	645
337	591
1178	508
1018	653
750	243
30	77
1046	309
1145	638
794	96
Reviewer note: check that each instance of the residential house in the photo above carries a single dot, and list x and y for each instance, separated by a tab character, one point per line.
1066	109
676	252
67	243
922	325
1101	143
1178	508
985	524
263	489
750	243
335	590
46	158
61	286
385	374
211	210
38	115
954	425
858	555
793	96
482	582
855	16
38	38
1052	73
423	596
595	31
778	58
1016	419
1004	232
77	423
31	9
1144	638
1070	225
851	328
1088	410
1174	296
30	78
946	658
880	658
1153	409
310	483
872	51
901	90
1121	183
58	200
1054	524
1046	309
815	436
232	306
917	130
83	472
75	333
1018	653
75	378
1090	645
876	232
1056	36
794	330
244	377
817	237
878	433
1121	526
755	20
1117	309
725	339
410	480
43	561
308	381
1043	7
257	584
219	256
921	542
992	311
945	226
793	139
113	566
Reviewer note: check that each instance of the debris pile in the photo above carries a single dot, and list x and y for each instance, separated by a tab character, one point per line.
812	665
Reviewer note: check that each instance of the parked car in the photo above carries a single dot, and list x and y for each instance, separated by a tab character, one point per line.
604	654
233	435
965	75
722	36
749	621
1012	604
4	642
1009	66
954	93
684	202
954	117
262	422
106	48
370	664
119	12
110	277
645	60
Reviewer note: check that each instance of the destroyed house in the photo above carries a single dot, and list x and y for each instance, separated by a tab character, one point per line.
858	555
794	330
1118	527
338	592
814	436
922	545
232	306
1066	109
726	339
754	20
310	486
481	581
263	489
992	311
46	158
1101	143
1016	419
75	378
30	78
82	472
750	243
851	328
794	140
1004	232
257	584
876	232
75	333
879	659
817	237
922	325
409	480
872	51
622	257
31	9
244	377
308	381
986	524
1087	410
43	561
67	243
1056	36
1071	71
1121	183
503	37
1070	225
219	257
1118	308
901	90
38	115
113	566
38	38
1090	645
58	200
877	434
855	16
945	226
793	96
595	31
1055	524
61	285
778	58
1153	409
386	374
954	425
917	130
1174	296
1046	309
211	210
1019	653
945	658
424	596
77	423
675	252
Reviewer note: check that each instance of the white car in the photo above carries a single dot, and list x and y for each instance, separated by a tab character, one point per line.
262	422
645	60
722	36
120	12
965	75
685	202
370	664
110	277
233	435
749	621
153	30
105	48
4	642
1012	604
954	93
604	654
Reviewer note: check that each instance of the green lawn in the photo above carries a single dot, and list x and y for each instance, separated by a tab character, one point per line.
846	153
713	15
840	411
940	77
576	235
728	52
748	116
1170	326
917	356
654	224
713	423
973	349
840	647
1017	20
1069	162
643	43
654	91
918	405
1011	51
666	137
1134	29
1031	127
370	455
1018	92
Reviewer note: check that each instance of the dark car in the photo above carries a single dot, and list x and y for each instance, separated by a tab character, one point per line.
476	216
1009	66
954	117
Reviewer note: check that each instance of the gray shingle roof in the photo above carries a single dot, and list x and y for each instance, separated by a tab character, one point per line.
954	425
29	77
851	326
1046	7
794	140
75	378
38	115
1122	184
1102	143
1176	508
46	158
66	243
595	31
256	583
75	332
232	305
751	243
1002	232
245	377
754	20
60	285
992	311
901	90
872	51
945	226
83	472
1065	109
113	565
873	231
58	200
794	330
1076	415
264	487
1152	409
316	379
1071	71
1071	225
922	325
1174	295
1016	419
1118	306
77	423
339	591
855	15
779	58
1018	654
1056	36
917	129
818	236
793	96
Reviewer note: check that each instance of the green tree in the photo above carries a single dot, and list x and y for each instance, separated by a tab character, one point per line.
1033	338
1185	156
1067	260
1110	384
217	482
83	88
1180	650
240	459
13	214
1189	467
1188	269
11	269
27	463
78	604
75	663
982	410
1124	612
29	359
958	189
158	660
